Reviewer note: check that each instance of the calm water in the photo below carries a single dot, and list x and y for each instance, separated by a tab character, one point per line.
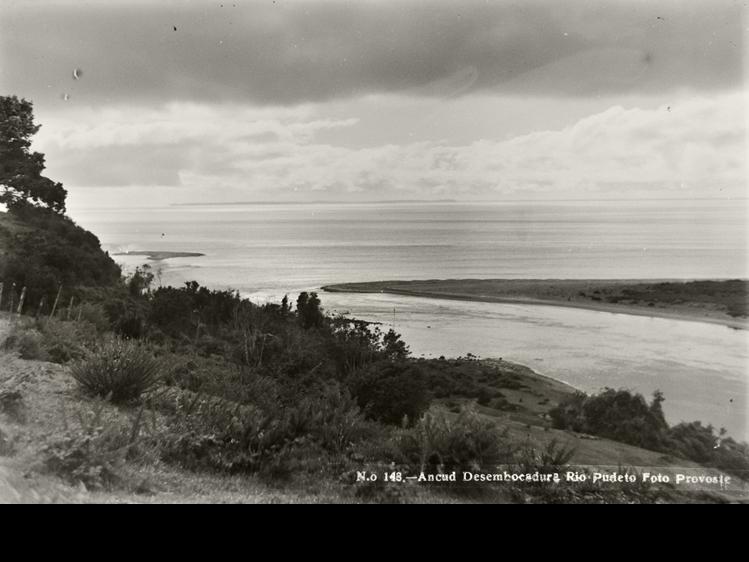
268	250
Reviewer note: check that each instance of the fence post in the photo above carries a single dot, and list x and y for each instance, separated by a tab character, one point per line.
1	295
57	300
70	308
20	302
41	306
12	297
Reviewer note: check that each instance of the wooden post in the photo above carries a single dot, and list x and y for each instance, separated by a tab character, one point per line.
1	296
57	300
41	307
80	312
23	298
12	297
70	308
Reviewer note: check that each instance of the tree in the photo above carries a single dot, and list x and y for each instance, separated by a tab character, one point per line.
393	346
390	391
22	184
309	311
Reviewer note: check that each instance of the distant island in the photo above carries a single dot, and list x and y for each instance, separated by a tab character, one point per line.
718	302
161	256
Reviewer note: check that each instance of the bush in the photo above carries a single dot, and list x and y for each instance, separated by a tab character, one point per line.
442	442
28	342
51	339
626	417
119	370
67	341
616	414
93	452
701	444
391	391
96	316
214	433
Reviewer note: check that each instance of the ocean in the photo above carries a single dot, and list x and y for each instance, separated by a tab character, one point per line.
268	250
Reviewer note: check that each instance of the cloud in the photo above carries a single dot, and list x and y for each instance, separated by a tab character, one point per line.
697	146
120	146
298	51
178	123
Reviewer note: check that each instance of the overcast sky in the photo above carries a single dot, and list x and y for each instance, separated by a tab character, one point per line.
395	99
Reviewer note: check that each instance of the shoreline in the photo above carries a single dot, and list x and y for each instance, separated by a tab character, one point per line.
160	255
632	310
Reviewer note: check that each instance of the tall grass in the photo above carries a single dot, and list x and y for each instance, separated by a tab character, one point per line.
119	370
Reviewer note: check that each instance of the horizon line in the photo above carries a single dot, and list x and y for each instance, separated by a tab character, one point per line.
399	201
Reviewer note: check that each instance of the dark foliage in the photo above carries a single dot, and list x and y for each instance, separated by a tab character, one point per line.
118	370
627	417
52	251
616	414
22	186
308	310
391	391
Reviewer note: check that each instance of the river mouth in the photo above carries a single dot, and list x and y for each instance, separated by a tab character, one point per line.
701	368
268	251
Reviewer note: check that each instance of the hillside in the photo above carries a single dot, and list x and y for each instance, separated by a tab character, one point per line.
41	409
40	406
46	252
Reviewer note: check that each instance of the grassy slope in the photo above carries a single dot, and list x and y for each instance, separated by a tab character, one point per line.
725	302
529	397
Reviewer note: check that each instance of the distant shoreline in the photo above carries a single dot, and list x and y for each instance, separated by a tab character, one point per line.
159	255
558	293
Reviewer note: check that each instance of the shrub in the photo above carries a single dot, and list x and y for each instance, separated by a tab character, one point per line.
209	432
626	417
96	316
28	342
616	414
701	444
391	391
51	339
119	370
441	442
94	451
67	341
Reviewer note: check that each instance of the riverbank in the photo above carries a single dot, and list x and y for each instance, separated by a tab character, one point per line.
713	302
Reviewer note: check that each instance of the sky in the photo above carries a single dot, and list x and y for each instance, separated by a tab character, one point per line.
156	103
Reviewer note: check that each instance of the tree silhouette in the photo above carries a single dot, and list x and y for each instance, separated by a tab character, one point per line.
22	184
308	310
